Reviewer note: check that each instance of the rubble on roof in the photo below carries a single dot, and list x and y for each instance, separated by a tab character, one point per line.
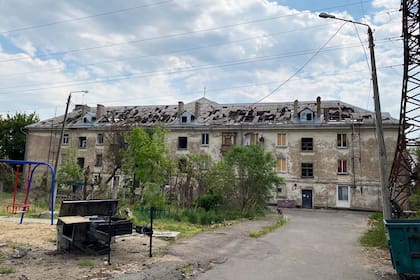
211	113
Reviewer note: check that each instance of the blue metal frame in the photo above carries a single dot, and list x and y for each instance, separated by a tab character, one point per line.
36	163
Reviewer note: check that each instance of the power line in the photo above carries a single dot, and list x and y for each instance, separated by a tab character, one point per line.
173	52
167	36
199	92
19	29
178	71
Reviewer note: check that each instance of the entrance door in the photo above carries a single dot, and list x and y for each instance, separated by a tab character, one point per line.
343	196
306	198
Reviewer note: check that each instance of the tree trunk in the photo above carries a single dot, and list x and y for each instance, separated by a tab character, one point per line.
1	189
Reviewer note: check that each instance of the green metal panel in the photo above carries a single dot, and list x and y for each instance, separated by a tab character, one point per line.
404	245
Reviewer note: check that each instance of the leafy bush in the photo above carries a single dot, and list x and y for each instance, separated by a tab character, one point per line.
375	236
209	201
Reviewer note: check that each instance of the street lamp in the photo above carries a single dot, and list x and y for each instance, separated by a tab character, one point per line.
386	207
57	156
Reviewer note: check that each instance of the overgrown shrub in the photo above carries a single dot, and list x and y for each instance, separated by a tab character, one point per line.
209	201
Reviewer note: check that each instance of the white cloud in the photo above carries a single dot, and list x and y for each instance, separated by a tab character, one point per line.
150	43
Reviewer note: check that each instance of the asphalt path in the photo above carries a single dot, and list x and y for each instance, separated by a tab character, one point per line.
314	244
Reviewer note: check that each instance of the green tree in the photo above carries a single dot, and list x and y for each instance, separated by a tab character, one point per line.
191	177
12	139
70	171
145	158
253	176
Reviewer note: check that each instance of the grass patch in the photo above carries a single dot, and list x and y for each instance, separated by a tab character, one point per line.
185	229
375	236
267	229
86	263
6	270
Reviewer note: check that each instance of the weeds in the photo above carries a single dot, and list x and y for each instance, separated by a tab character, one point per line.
6	270
267	229
375	236
86	263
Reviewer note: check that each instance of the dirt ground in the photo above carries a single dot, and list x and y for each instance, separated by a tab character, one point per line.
37	240
129	254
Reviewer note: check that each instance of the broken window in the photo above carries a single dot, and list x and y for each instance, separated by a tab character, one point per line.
98	161
65	139
204	139
341	140
228	139
307	170
281	165
307	144
99	139
342	166
81	162
182	142
281	139
82	142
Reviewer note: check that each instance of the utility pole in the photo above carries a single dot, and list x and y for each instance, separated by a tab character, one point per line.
386	203
60	142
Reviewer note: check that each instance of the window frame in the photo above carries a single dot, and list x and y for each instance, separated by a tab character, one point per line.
82	143
100	139
307	146
342	143
205	139
281	165
342	167
341	187
99	158
66	139
281	139
309	168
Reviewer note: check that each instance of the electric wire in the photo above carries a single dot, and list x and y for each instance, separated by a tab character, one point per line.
300	68
153	38
171	72
25	28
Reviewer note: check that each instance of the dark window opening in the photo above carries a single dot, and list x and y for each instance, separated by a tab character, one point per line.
182	142
82	142
307	170
65	139
308	117
307	144
98	161
184	119
99	139
81	162
204	139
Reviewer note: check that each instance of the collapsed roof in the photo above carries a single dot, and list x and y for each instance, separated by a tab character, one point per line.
208	113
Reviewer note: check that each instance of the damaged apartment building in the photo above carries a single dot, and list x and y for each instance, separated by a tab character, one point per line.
326	151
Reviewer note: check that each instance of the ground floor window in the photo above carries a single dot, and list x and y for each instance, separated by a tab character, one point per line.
343	193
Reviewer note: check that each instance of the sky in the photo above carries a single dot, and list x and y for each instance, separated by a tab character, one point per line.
146	52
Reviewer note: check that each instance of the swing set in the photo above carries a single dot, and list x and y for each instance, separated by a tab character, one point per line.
22	208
